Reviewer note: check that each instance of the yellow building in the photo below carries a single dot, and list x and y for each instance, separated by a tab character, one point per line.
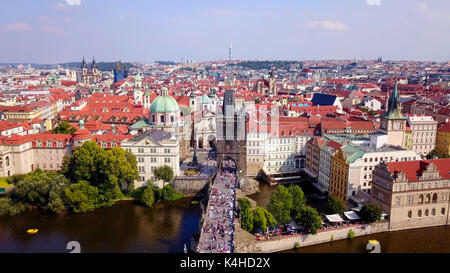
341	169
339	175
408	139
443	139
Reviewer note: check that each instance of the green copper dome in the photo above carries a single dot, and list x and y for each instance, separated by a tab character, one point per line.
164	104
206	99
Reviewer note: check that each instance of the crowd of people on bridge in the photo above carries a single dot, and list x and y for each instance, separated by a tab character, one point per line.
218	228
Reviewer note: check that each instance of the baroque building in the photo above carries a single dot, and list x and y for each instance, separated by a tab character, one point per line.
414	193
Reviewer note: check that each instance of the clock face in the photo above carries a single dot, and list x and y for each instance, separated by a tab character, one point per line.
396	126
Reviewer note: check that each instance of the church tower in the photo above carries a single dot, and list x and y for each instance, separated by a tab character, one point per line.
232	134
393	123
272	83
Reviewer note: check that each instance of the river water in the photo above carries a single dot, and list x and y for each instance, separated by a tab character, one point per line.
124	227
166	227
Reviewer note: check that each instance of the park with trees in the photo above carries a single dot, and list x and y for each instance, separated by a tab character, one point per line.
90	178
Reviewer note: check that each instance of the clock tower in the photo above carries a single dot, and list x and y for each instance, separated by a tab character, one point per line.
393	123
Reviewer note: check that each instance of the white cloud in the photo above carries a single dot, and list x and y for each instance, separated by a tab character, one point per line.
327	25
431	14
18	27
373	2
51	29
73	2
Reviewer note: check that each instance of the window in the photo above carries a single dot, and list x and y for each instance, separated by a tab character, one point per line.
433	212
419	213
167	160
409	214
443	211
426	212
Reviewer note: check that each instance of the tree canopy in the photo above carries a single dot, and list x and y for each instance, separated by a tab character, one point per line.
280	205
298	199
309	218
371	212
164	173
336	205
64	128
107	170
82	197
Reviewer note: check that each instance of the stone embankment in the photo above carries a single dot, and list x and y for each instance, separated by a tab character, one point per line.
246	242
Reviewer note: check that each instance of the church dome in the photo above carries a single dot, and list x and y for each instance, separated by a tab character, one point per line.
206	99
164	103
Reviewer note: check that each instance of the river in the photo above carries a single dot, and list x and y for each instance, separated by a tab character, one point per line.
124	227
167	226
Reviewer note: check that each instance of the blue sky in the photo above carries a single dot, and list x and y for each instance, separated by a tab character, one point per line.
51	31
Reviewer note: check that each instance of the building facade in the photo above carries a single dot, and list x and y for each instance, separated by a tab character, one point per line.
414	193
423	133
443	139
153	149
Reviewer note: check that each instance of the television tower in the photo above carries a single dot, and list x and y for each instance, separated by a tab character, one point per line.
230	51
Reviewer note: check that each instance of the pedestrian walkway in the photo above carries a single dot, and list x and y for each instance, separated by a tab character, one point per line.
217	233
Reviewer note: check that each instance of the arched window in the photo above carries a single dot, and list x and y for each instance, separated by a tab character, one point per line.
427	198
443	211
433	212
7	161
426	212
419	213
421	198
435	196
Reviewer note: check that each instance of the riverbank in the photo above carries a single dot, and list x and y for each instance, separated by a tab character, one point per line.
251	245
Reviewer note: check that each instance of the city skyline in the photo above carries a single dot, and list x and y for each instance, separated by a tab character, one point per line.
53	31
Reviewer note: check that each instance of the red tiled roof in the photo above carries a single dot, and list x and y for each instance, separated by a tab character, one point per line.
414	169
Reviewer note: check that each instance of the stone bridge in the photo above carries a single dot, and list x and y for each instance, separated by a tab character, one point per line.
217	224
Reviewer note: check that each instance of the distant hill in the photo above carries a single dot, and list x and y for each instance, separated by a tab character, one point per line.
102	66
166	63
265	64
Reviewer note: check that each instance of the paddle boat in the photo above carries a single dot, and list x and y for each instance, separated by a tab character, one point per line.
32	231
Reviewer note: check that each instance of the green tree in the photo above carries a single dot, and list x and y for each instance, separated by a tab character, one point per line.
64	128
280	205
336	205
371	212
298	199
8	207
246	214
81	197
259	219
108	170
271	222
148	197
436	154
170	194
309	218
164	173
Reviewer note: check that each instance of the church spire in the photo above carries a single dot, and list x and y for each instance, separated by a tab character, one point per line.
83	64
393	111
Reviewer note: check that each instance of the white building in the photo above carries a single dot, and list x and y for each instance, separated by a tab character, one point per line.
153	149
423	133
